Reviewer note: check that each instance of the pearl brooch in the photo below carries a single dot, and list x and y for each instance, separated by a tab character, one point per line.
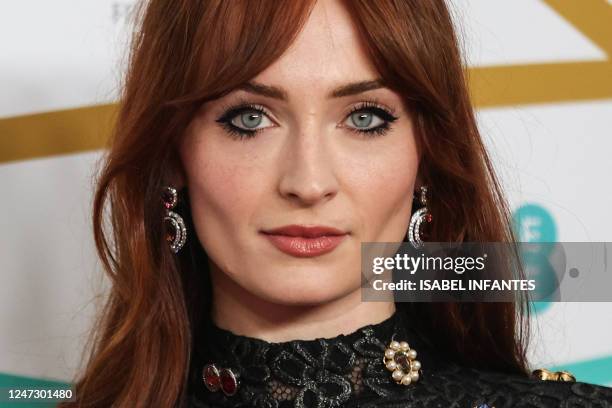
401	360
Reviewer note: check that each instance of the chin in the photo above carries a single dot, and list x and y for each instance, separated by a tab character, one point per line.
303	290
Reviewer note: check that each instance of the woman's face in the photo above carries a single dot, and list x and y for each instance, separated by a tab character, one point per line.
309	142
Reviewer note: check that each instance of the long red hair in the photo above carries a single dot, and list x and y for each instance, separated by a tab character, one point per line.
186	52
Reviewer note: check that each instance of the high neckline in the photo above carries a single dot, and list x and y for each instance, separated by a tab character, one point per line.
382	328
321	372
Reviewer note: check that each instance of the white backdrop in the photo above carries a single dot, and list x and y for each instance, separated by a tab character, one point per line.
553	157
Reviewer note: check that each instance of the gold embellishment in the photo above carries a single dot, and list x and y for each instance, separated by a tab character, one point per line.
401	360
547	375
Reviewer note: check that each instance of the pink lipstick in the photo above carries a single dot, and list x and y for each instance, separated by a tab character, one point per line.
303	241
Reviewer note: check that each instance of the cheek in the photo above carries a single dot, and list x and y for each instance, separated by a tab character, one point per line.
384	180
220	190
223	192
382	183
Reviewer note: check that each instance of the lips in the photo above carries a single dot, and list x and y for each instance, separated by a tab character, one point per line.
305	241
305	231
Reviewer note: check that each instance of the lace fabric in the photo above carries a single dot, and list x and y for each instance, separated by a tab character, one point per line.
348	371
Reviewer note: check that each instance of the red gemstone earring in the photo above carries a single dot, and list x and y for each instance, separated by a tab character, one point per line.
224	379
176	233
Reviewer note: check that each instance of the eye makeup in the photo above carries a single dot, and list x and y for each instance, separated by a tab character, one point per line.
371	106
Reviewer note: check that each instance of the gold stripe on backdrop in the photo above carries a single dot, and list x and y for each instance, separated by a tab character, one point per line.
85	129
593	18
55	133
540	83
555	82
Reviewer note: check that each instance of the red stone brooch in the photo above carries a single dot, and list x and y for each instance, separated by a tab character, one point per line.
223	379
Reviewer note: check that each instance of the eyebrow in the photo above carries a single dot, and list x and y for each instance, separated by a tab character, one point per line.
351	88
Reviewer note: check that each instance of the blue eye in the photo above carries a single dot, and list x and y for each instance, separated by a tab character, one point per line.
369	118
250	119
244	120
366	120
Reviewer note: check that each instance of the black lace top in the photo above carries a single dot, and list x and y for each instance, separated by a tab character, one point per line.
349	371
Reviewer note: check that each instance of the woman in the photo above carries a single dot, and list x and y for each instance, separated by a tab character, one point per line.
291	133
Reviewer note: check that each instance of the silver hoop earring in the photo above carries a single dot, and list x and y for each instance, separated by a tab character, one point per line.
176	233
420	215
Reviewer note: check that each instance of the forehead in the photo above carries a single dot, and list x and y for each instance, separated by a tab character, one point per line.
326	52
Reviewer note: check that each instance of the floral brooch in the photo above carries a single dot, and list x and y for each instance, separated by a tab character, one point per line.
401	360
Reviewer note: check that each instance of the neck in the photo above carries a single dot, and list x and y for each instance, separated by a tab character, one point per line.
242	312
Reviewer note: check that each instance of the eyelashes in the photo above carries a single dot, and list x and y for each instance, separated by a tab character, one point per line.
372	107
369	111
239	110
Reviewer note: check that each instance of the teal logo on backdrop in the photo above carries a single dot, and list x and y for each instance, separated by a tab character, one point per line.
533	223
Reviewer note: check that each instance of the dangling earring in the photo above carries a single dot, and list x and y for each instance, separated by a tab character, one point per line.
422	214
176	233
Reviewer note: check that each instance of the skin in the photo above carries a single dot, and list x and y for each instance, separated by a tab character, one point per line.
305	167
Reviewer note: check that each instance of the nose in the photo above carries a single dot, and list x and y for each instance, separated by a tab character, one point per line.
307	174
